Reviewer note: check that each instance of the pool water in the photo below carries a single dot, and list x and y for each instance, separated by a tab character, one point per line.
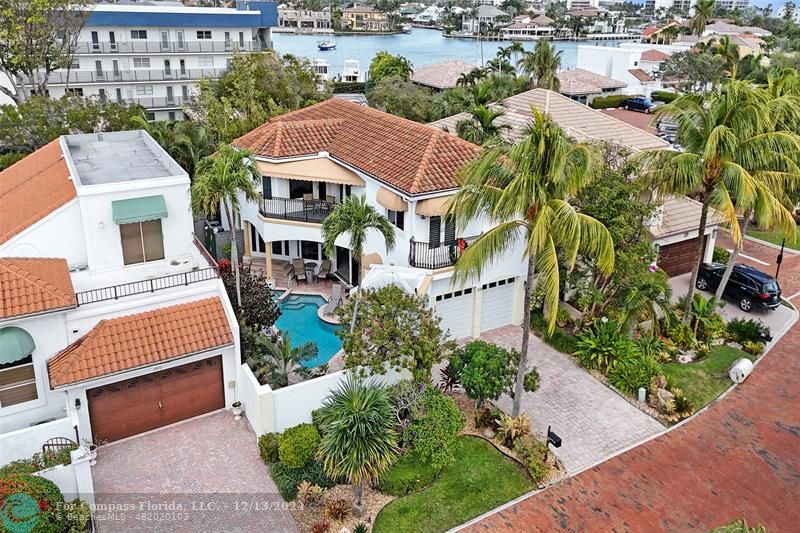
299	318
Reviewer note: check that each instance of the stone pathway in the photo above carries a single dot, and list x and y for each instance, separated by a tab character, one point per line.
593	421
204	474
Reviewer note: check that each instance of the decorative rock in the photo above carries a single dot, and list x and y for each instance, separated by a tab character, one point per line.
666	400
734	344
488	433
687	357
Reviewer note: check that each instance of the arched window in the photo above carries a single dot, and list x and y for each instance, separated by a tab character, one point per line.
17	375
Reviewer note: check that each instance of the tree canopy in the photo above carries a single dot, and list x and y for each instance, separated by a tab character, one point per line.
386	65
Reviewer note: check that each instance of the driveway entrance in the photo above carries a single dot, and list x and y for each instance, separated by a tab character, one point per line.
204	474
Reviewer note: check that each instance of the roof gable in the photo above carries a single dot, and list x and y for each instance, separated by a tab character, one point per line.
34	285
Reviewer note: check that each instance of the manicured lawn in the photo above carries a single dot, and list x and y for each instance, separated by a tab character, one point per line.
705	380
480	479
775	238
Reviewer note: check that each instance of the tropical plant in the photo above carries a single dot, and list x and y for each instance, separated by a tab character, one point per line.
268	447
703	10
600	346
309	493
740	526
532	452
753	347
531	382
704	316
542	66
436	424
653	347
298	445
288	479
728	51
282	359
220	180
741	330
480	127
259	309
337	509
48	512
322	526
511	428
633	371
360	441
184	141
526	191
486	370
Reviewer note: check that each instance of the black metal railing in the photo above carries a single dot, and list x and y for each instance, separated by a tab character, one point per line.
423	255
116	292
296	209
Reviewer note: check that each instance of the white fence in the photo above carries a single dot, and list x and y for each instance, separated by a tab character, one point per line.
270	410
23	443
75	479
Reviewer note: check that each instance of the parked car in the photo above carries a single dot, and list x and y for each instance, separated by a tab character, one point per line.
639	103
748	287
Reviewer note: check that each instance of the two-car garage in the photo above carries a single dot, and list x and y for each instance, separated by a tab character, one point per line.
493	303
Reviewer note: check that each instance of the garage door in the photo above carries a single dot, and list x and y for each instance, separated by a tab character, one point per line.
497	304
455	309
147	402
676	259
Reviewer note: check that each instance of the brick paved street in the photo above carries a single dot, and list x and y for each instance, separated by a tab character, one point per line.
207	462
593	421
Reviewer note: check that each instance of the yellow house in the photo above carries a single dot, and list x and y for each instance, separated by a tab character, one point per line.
364	18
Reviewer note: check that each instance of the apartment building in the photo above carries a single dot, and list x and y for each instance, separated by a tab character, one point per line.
153	54
686	6
364	18
303	20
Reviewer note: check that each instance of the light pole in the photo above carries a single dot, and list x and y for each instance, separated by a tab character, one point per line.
779	260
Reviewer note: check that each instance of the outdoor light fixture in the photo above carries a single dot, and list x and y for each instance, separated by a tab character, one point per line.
77	403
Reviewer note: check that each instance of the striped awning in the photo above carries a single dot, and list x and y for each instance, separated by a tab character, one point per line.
15	344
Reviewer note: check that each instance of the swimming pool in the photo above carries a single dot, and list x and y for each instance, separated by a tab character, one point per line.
299	318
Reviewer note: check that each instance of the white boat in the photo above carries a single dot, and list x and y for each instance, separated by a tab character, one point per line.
406	28
326	45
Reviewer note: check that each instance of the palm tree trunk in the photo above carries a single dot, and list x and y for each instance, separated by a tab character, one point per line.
355	311
358	491
234	255
734	255
698	259
526	333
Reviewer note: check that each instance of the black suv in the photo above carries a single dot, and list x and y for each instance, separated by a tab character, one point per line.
749	287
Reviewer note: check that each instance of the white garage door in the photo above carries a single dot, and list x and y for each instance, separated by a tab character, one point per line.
455	309
497	304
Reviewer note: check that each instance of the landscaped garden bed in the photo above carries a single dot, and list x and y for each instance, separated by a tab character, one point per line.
702	381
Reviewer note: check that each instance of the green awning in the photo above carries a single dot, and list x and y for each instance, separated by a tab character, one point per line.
139	209
15	344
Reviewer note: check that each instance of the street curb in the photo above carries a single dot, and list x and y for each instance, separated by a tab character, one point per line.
774	246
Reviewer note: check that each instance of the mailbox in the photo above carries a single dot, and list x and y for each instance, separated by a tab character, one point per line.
553	439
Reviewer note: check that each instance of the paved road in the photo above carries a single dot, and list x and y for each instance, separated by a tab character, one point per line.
738	459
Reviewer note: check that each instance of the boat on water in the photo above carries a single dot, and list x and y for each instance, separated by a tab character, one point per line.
326	45
406	28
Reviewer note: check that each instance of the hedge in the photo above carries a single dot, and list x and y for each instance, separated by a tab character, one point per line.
287	479
297	445
340	87
606	102
37	503
664	96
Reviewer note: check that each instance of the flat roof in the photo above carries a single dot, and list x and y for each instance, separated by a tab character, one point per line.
118	157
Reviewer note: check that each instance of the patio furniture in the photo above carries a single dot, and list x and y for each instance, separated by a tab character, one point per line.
330	199
324	269
311	268
336	299
299	267
308	196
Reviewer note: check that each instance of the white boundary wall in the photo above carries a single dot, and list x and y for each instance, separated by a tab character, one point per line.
23	443
75	479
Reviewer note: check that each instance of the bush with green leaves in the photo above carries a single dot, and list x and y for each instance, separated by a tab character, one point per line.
532	452
436	424
410	473
510	428
268	447
39	461
753	347
606	102
720	255
741	330
531	380
682	336
79	516
45	493
663	96
316	417
486	370
653	347
603	344
297	445
630	372
288	479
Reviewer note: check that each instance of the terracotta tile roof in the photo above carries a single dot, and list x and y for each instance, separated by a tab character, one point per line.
640	75
34	285
33	188
132	341
409	156
441	75
654	55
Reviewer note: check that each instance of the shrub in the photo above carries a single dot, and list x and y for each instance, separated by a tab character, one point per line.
321	527
79	515
309	493
436	424
663	96
741	330
711	329
24	492
606	102
268	447
683	405
450	377
487	371
39	461
653	347
563	318
531	381
682	336
600	346
409	474
753	347
287	479
633	371
361	527
297	445
337	509
510	429
484	417
720	255
316	415
532	452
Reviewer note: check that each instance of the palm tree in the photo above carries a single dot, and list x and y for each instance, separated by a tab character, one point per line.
703	10
517	50
480	128
284	359
504	55
732	151
219	181
542	66
651	298
184	141
526	191
359	441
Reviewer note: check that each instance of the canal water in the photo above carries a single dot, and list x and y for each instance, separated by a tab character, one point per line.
421	47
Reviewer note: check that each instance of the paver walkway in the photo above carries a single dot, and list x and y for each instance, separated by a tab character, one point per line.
593	421
209	467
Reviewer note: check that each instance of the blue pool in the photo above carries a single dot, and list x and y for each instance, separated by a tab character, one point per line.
299	318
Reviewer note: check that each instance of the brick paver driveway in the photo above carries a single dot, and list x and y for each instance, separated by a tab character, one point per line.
204	474
593	421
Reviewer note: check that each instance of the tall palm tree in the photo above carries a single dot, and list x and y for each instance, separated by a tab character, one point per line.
542	66
284	359
359	441
731	152
517	50
727	50
504	55
220	180
480	127
526	192
703	10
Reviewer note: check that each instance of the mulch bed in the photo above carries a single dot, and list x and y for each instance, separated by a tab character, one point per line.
310	514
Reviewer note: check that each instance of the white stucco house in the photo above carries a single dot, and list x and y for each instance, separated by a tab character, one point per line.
112	321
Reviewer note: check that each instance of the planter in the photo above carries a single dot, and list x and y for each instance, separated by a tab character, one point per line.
237	413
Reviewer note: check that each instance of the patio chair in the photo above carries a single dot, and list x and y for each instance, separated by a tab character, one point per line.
336	299
308	197
330	199
299	267
324	269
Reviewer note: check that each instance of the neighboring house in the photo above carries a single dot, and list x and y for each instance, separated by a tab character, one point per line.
720	27
303	20
443	75
635	64
153	54
525	27
312	158
488	17
364	18
430	15
582	4
112	320
660	34
583	86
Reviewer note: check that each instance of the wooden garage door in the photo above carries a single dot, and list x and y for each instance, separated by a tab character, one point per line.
147	402
678	258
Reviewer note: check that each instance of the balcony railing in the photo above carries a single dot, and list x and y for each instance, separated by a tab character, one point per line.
157	102
116	292
296	209
423	255
168	47
136	75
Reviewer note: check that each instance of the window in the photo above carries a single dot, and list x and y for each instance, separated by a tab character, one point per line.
150	116
434	232
299	188
17	382
138	34
74	91
141	62
141	242
309	250
449	230
204	34
266	187
144	90
118	92
257	244
171	115
396	218
280	247
206	61
76	63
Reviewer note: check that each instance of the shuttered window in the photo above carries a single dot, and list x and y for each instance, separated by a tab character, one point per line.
449	230
266	187
434	237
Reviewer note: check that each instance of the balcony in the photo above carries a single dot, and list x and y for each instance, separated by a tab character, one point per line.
115	292
296	209
443	255
83	77
168	47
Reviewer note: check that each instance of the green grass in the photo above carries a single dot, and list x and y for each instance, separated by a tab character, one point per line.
704	380
480	479
409	474
775	238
